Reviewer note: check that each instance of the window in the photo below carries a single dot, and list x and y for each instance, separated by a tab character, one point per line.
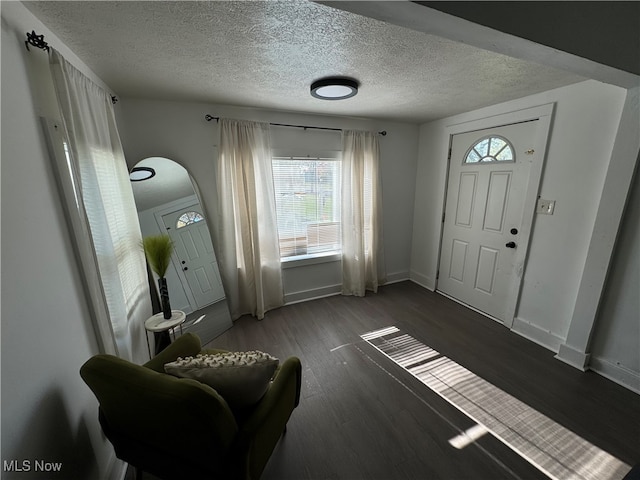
188	218
490	149
307	194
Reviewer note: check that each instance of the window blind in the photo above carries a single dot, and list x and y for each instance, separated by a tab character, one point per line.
307	191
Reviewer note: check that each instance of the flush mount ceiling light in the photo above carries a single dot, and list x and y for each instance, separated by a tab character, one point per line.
138	174
334	88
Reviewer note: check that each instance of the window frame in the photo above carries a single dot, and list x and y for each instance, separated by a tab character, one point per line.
315	257
494	160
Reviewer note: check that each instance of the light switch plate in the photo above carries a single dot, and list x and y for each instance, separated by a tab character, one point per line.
546	207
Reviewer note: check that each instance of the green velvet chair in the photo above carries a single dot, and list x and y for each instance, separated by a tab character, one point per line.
178	428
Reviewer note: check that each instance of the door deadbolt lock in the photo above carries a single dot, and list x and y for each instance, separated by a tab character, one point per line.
514	231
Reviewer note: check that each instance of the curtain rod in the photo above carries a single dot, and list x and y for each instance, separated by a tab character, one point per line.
208	118
37	41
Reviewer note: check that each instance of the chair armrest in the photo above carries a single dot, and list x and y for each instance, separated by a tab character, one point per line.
262	428
280	399
187	345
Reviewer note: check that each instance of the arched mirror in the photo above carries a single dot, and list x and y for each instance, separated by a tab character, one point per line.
167	202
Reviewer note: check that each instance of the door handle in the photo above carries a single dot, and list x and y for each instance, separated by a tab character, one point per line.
511	245
187	268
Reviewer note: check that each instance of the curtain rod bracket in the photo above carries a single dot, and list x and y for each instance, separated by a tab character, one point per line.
36	41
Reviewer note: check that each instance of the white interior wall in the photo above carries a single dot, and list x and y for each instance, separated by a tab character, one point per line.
615	349
584	128
179	131
48	413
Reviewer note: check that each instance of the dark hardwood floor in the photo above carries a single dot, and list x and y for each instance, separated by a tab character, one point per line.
361	416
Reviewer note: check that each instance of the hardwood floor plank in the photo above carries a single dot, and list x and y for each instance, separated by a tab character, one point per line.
362	416
373	427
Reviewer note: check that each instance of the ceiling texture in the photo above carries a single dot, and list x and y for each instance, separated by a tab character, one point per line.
266	54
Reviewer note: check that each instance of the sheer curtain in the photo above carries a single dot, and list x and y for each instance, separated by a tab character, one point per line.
362	252
104	200
247	234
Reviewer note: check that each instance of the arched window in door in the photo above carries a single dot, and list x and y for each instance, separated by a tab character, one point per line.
489	150
188	218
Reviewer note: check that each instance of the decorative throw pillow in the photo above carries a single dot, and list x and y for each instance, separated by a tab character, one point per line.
241	378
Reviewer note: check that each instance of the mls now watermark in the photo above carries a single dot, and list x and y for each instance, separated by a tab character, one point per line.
31	466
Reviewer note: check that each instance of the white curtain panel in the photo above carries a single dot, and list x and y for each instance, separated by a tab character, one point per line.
247	234
362	249
95	156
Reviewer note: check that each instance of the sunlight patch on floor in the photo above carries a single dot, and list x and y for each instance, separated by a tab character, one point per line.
468	436
550	447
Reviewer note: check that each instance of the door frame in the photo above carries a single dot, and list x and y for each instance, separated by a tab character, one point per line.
544	115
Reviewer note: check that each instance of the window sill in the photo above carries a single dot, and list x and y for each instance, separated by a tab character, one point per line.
311	259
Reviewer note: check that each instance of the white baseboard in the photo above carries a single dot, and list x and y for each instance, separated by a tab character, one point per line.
536	334
573	357
616	373
313	294
422	280
117	469
396	277
330	290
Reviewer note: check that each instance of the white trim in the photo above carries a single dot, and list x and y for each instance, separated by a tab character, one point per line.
470	307
396	277
310	259
116	468
616	373
574	357
331	290
68	180
543	114
534	333
613	198
499	119
312	294
422	280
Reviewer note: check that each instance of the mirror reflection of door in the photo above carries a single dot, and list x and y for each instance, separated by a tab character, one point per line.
167	203
197	261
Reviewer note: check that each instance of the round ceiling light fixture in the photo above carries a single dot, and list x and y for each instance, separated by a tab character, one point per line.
334	88
138	174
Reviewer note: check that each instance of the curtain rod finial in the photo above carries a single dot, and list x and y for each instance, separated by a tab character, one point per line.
36	40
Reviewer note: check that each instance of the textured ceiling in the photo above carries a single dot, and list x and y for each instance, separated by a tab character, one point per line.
266	54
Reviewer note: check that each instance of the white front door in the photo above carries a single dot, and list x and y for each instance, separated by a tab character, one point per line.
194	253
488	179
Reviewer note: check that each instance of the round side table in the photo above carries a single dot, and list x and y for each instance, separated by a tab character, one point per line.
157	323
